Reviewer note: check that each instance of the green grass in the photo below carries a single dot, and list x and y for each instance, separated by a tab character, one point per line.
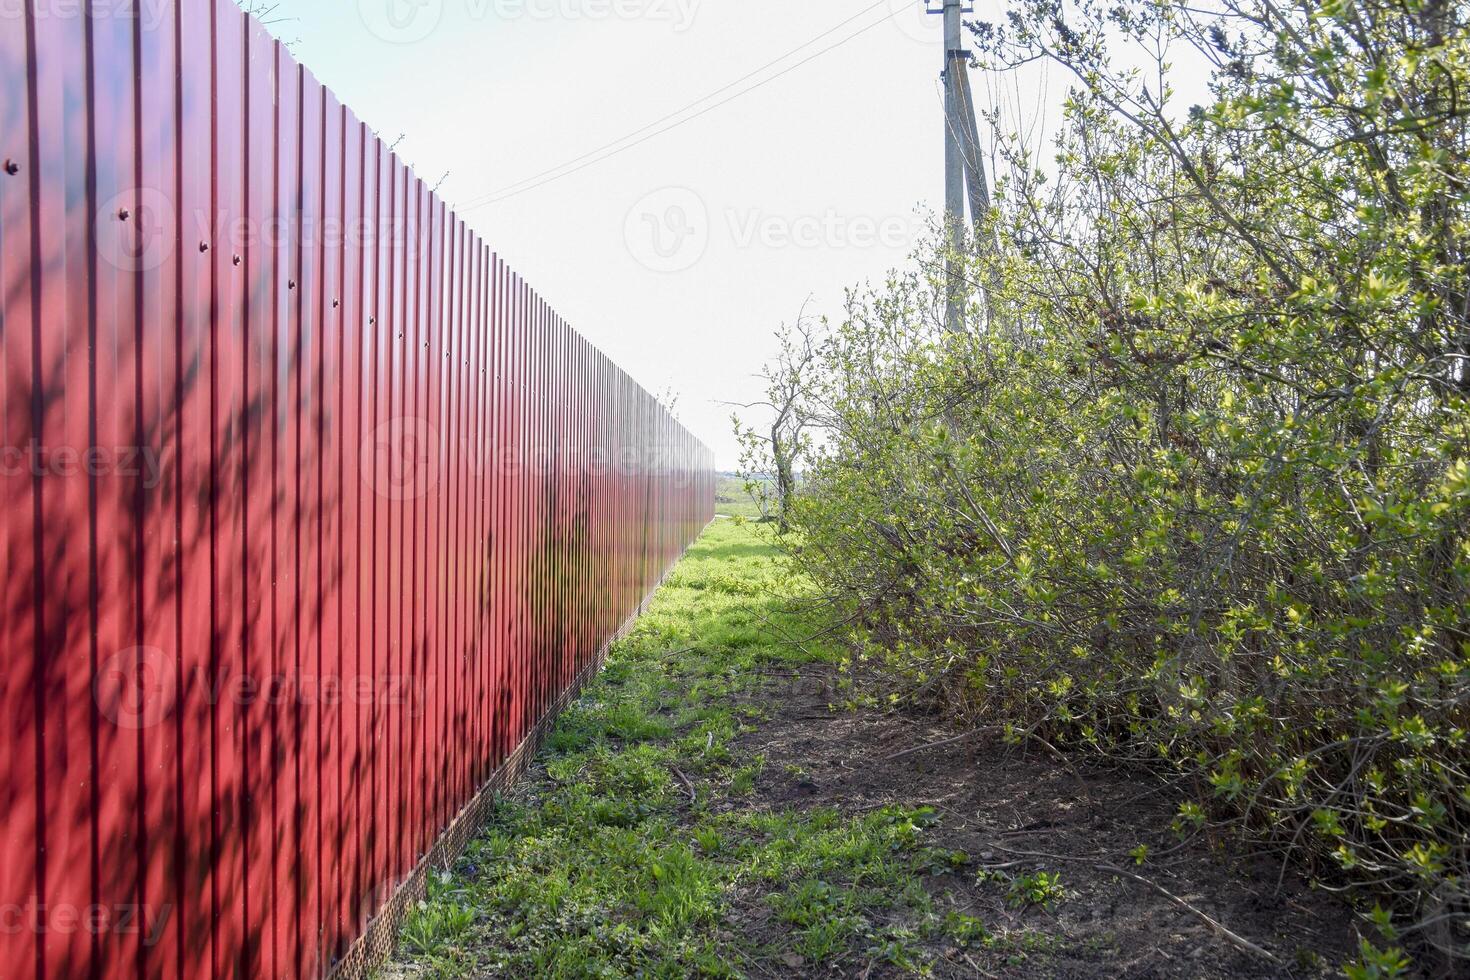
600	864
733	500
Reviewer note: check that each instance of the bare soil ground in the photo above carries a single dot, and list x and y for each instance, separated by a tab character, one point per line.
1018	812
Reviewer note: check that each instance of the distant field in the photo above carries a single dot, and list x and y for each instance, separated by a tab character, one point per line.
732	500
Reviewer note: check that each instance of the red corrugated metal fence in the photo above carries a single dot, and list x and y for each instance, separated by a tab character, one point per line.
312	508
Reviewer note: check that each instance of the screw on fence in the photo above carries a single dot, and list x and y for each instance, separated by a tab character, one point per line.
12	168
236	260
203	246
122	214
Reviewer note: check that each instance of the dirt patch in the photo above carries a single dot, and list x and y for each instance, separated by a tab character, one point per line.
1013	813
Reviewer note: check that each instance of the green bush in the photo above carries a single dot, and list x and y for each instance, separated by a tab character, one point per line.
1191	489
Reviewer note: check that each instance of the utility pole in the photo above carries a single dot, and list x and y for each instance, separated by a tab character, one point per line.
964	171
954	187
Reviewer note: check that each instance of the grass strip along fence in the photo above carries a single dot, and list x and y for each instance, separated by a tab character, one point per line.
313	511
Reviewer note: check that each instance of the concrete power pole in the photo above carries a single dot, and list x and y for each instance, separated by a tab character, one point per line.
964	170
954	186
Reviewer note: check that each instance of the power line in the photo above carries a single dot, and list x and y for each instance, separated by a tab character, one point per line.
607	156
497	194
599	154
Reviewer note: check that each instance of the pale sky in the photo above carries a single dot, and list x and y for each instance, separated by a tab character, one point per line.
680	255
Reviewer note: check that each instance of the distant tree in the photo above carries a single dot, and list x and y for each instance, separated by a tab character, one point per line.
773	451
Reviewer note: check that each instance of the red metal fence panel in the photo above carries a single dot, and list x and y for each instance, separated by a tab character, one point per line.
312	509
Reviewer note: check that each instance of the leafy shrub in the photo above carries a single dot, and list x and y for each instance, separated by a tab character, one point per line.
1192	488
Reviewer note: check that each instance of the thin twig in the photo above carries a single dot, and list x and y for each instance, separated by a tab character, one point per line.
931	745
693	797
976	967
1235	939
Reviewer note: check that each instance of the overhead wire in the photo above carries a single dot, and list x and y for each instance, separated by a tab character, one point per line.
620	145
